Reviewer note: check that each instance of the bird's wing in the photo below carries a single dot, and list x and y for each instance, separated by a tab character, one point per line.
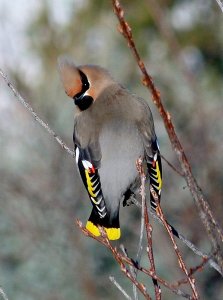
88	158
85	137
91	180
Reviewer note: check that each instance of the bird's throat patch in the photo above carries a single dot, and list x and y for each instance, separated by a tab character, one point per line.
84	102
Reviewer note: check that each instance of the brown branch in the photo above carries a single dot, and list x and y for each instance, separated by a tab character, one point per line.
185	241
148	228
134	271
191	272
124	259
141	287
35	116
212	227
124	269
192	247
176	249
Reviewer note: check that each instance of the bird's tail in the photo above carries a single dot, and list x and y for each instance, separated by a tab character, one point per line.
110	225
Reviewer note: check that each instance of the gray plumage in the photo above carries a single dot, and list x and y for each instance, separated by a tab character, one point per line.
115	128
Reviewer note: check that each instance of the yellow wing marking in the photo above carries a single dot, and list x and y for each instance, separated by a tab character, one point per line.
89	184
158	176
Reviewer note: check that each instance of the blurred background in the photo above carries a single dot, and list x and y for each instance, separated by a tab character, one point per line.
43	255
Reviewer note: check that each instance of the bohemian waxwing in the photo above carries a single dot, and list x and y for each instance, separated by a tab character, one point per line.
112	129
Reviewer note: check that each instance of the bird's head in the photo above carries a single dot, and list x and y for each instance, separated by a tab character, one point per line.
83	83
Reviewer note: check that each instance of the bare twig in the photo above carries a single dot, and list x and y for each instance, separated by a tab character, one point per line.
191	246
123	259
169	230
119	288
36	117
133	270
3	294
220	3
140	246
191	272
184	240
168	34
212	227
148	227
150	253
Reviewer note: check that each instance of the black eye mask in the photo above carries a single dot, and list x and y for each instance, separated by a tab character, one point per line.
85	85
82	101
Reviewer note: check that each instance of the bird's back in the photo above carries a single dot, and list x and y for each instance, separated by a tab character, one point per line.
121	146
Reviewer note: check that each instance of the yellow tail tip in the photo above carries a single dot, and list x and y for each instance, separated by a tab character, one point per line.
112	233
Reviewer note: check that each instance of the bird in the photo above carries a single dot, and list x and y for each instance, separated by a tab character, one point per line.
112	129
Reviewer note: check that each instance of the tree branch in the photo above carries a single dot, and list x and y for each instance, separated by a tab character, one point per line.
149	229
123	259
185	241
191	272
134	271
36	117
212	227
170	233
220	3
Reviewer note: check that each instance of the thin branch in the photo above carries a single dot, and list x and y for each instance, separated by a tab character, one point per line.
34	114
119	287
191	246
124	259
105	241
133	270
148	228
140	245
191	272
184	240
172	166
3	294
220	3
129	274
181	262
212	227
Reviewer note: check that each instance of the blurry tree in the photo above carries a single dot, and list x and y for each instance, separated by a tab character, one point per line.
42	253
